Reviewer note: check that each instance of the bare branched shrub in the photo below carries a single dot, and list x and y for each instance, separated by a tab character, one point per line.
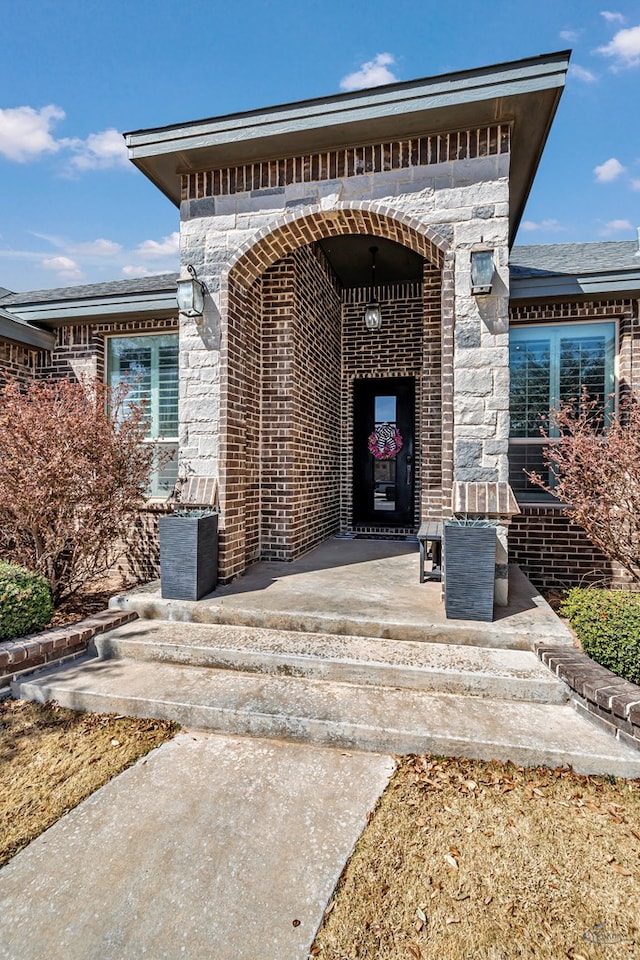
73	474
598	474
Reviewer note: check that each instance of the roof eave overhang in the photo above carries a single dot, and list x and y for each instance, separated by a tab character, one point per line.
563	285
17	330
56	313
524	93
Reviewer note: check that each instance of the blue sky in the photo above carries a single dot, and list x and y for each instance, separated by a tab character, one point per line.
75	74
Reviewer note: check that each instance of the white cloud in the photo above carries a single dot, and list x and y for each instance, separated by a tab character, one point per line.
624	49
373	73
552	226
609	170
65	267
167	247
635	184
570	35
88	248
581	73
91	261
98	248
99	151
139	270
616	226
25	133
612	17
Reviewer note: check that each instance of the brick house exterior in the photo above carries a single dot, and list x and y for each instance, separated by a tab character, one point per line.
276	379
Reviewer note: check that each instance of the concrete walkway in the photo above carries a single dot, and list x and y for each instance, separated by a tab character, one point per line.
210	848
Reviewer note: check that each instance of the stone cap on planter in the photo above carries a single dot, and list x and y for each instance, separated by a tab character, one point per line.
489	499
197	492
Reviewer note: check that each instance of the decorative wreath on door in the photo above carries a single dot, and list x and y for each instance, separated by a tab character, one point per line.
385	442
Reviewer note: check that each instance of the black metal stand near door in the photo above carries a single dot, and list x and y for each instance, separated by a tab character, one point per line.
383	485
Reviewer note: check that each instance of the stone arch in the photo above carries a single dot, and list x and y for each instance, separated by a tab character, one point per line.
240	350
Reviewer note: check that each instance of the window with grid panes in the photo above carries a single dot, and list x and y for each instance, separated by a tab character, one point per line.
148	364
550	364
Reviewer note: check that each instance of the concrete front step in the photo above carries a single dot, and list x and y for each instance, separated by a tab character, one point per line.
379	598
148	604
445	668
346	715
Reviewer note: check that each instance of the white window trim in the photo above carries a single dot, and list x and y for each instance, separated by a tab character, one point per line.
128	335
531	441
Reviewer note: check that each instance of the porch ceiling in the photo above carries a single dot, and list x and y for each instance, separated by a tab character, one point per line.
351	260
524	93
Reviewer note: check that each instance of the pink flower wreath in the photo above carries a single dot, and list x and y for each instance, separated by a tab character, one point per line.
385	442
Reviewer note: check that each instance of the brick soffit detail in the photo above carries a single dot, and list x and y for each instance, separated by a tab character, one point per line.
488	141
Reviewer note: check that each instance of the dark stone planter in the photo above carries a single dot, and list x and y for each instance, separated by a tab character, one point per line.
469	570
188	556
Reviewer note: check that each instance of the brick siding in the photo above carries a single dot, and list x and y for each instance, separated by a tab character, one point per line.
80	351
17	361
298	342
407	345
553	551
240	402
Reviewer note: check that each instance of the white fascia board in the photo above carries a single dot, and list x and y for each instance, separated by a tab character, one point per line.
100	308
17	330
614	283
564	285
396	100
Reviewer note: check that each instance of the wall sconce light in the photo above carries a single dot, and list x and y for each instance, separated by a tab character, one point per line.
372	314
190	295
482	268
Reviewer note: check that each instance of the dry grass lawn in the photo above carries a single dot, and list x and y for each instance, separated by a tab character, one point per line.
461	860
466	860
52	758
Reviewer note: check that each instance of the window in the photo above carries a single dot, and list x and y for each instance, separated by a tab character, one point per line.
550	365
149	366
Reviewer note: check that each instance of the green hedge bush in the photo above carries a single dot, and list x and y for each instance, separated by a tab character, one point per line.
607	623
25	601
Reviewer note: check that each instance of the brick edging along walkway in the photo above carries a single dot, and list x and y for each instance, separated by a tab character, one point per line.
597	691
57	643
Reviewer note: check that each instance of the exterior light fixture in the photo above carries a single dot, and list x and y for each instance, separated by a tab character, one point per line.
482	268
372	314
190	295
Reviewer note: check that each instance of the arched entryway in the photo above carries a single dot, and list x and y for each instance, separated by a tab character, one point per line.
296	357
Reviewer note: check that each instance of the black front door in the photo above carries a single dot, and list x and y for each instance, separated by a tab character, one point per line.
383	417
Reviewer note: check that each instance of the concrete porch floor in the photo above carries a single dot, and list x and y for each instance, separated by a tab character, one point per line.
360	588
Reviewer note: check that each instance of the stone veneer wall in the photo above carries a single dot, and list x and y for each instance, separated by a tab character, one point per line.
17	361
553	551
441	196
